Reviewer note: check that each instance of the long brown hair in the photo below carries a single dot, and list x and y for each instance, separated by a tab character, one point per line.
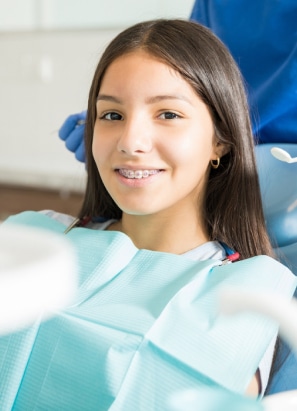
233	208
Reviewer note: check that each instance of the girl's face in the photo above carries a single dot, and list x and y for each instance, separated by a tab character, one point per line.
153	137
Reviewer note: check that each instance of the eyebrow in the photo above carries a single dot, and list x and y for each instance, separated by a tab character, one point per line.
150	100
106	97
156	99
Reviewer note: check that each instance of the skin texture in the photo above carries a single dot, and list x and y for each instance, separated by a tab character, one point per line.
150	118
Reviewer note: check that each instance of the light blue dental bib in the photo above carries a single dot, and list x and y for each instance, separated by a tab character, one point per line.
144	325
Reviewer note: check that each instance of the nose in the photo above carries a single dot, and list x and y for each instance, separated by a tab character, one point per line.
135	137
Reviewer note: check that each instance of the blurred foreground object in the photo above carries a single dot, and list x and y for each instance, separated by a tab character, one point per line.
210	399
234	301
38	275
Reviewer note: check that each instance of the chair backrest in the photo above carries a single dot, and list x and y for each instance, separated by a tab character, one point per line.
278	182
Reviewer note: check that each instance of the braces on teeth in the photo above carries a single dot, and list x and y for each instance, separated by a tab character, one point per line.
137	173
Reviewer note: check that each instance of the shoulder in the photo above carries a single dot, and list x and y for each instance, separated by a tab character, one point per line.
60	217
210	250
67	220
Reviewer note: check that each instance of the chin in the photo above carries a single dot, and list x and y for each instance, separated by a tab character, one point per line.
136	212
136	208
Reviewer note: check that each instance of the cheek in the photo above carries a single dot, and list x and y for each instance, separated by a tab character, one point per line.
191	150
95	147
100	150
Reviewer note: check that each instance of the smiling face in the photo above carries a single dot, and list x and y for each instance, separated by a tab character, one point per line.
153	138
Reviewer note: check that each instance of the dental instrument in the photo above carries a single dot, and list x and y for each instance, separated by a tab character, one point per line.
282	155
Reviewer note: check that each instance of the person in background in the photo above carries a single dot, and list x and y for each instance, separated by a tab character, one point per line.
262	37
171	173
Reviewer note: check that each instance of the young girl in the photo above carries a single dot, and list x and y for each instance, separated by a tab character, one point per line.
172	189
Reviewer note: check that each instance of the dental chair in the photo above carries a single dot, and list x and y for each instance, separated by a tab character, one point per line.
278	183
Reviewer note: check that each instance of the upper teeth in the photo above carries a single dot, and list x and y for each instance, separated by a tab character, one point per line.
137	173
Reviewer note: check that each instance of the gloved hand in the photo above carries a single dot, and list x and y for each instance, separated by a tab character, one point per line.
73	134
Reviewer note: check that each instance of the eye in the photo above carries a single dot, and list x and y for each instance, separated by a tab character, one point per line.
111	116
169	115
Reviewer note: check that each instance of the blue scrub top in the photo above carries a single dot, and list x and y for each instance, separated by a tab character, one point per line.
262	37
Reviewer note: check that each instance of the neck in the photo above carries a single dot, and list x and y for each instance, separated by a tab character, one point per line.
172	234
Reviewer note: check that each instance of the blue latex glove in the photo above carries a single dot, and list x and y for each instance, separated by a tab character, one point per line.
262	37
73	134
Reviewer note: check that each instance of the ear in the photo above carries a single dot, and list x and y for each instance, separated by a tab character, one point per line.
219	150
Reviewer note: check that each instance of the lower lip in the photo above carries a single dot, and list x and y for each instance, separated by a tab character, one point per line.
137	182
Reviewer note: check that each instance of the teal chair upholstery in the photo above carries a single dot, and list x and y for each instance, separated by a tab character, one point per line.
278	182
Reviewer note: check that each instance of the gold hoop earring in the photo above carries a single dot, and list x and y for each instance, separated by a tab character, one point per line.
215	163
